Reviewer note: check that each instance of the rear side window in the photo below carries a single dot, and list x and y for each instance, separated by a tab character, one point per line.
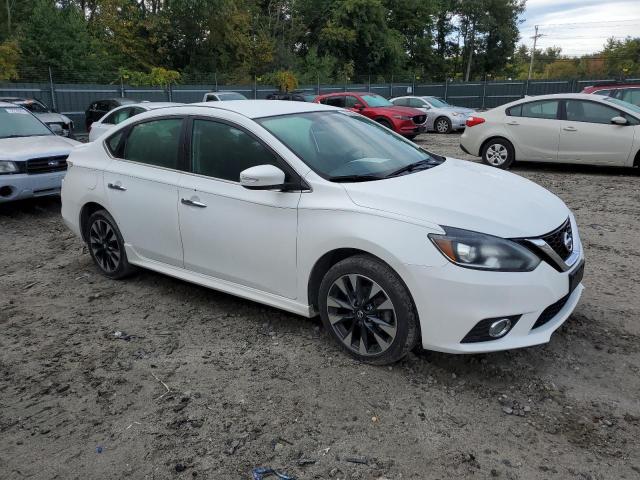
515	111
118	117
350	101
401	102
604	93
155	143
631	95
113	142
591	112
334	101
547	109
416	103
222	151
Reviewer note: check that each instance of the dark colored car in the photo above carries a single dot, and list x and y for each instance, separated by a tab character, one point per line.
627	92
293	96
100	107
403	120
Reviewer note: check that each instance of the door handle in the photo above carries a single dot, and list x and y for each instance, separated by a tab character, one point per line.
513	123
570	129
115	186
193	203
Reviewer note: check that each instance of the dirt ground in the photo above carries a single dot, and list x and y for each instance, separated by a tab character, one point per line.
205	385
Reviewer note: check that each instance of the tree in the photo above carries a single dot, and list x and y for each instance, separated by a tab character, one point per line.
9	57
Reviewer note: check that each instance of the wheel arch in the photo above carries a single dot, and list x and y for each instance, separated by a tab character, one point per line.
636	160
86	211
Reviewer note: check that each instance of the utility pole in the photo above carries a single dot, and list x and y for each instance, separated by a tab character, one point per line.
533	52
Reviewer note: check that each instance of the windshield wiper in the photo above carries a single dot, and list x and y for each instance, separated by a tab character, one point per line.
412	167
354	178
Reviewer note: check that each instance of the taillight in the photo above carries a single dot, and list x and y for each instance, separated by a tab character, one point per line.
473	121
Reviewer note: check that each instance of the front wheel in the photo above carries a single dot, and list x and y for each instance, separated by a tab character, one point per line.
368	310
106	245
443	125
498	153
385	123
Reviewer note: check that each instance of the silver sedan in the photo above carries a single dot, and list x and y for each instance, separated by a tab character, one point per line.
441	117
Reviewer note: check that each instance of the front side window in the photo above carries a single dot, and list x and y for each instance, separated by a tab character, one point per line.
547	109
342	146
34	106
222	151
350	101
18	122
154	143
631	95
591	112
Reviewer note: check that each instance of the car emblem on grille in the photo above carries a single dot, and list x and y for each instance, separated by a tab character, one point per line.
568	241
53	163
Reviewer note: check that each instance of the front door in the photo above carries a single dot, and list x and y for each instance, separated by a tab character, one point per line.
588	136
243	236
142	187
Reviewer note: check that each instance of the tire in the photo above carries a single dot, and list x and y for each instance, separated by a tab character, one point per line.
411	137
442	125
498	153
106	246
347	312
385	123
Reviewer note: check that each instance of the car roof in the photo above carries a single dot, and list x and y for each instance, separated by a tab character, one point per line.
265	108
154	105
335	94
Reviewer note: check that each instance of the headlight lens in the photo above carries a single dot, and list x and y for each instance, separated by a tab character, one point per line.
484	252
7	167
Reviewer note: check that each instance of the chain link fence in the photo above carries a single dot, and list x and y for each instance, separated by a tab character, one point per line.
73	98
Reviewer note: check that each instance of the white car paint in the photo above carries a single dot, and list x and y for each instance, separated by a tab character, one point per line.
263	244
100	127
561	140
223	96
457	116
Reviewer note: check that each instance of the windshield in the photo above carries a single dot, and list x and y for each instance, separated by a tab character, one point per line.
376	101
231	96
17	122
33	106
437	102
348	145
624	104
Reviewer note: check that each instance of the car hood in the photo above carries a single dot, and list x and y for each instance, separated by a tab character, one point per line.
52	117
24	148
401	110
466	195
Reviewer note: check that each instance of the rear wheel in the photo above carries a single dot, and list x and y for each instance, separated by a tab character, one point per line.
442	125
368	310
498	153
106	245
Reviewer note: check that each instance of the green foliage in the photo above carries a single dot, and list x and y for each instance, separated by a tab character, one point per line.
158	77
9	57
285	80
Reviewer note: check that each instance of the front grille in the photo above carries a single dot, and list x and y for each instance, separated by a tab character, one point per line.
419	119
556	241
550	312
47	165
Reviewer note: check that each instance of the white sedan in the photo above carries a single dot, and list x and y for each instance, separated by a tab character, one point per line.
318	210
562	128
122	113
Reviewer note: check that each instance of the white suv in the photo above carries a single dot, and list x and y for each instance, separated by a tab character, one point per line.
318	210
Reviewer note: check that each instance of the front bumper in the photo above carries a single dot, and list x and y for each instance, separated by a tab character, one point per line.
412	129
451	300
20	186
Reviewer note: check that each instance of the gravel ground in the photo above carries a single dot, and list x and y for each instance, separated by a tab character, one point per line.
205	385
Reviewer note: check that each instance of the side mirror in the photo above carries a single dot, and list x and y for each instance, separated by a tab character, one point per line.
359	106
55	128
262	177
619	121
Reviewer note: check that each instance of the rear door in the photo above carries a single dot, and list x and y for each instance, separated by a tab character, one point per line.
588	136
534	128
141	182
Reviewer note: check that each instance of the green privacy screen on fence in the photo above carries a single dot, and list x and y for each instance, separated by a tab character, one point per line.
73	99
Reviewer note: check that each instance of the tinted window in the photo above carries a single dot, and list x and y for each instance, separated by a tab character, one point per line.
350	101
631	95
118	116
155	143
334	101
543	109
401	102
583	111
416	103
602	92
113	142
515	111
373	100
103	106
221	151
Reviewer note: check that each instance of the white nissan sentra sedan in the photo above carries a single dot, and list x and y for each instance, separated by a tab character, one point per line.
318	210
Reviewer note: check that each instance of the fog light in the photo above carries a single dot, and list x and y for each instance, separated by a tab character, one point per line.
499	328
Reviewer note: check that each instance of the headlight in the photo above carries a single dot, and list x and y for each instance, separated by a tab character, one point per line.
402	117
484	252
7	167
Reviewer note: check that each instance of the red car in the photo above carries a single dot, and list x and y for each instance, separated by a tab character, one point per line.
403	120
628	92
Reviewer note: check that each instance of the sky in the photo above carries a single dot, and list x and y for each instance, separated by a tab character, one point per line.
579	26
